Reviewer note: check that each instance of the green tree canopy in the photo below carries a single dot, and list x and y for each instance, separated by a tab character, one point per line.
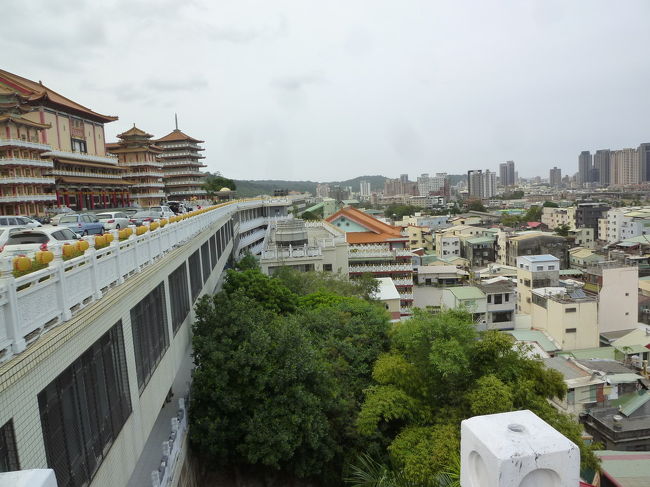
214	184
562	230
439	371
268	291
550	204
534	214
474	205
400	211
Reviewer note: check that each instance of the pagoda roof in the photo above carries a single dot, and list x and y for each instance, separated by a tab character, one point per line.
177	135
37	92
134	132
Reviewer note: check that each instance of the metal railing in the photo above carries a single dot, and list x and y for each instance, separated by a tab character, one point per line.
381	268
82	156
85	174
22	161
27	197
26	180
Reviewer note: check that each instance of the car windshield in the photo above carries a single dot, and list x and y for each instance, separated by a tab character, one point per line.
104	216
27	238
68	219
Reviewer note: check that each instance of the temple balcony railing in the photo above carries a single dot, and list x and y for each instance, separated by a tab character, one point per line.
26	144
167	155
292	253
82	156
159	194
146	174
156	164
187	192
17	198
24	161
359	252
252	238
148	185
180	145
84	174
185	182
26	180
196	173
403	282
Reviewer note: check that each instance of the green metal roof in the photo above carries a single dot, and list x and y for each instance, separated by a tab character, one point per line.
534	336
636	400
588	353
466	292
628	468
630	349
480	240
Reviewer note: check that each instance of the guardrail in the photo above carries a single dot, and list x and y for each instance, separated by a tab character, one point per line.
171	448
36	302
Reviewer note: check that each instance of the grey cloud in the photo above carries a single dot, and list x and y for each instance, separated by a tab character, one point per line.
245	35
298	82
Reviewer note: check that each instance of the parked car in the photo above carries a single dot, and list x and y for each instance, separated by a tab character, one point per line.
28	241
144	216
5	232
18	221
177	207
163	211
82	224
113	220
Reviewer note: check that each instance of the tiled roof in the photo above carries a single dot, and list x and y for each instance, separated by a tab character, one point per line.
177	135
134	131
38	92
378	231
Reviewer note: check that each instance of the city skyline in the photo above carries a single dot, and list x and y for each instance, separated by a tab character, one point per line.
300	93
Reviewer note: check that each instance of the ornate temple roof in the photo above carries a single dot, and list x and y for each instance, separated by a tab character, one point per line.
38	93
134	132
177	135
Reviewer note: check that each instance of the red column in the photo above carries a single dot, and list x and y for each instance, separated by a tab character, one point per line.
114	199
92	200
66	198
128	200
80	204
58	199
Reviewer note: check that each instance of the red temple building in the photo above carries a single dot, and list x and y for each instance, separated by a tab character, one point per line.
71	146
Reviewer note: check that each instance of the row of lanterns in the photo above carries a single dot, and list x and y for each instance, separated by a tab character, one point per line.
44	257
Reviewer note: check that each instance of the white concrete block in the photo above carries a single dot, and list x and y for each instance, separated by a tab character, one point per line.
516	449
28	478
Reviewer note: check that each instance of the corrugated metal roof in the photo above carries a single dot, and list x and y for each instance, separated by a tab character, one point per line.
534	336
627	468
480	240
466	292
623	378
593	353
565	367
637	400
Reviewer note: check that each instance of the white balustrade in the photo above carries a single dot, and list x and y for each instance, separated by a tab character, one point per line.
381	268
24	143
247	225
171	448
85	174
22	161
27	197
82	156
26	180
292	253
33	303
403	282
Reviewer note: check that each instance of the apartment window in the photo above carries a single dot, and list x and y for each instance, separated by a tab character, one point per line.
507	297
551	268
527	282
570	310
498	299
8	453
327	267
83	410
570	330
179	296
489	298
195	274
627	294
205	260
150	336
540	267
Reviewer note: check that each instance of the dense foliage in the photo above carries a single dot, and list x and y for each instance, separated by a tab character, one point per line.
214	183
439	371
280	374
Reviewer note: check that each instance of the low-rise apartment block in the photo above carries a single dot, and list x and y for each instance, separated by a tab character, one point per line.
535	271
555	217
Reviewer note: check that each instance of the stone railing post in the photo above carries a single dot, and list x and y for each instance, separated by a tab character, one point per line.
516	449
12	321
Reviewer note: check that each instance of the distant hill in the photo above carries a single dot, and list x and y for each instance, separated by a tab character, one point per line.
248	188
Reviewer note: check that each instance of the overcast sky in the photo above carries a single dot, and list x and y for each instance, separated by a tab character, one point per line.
328	90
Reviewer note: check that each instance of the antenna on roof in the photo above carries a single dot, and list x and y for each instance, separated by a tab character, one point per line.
176	120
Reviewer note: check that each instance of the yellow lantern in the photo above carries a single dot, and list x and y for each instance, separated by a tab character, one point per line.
123	234
129	231
108	237
22	263
100	241
44	256
163	222
82	245
153	226
68	250
141	230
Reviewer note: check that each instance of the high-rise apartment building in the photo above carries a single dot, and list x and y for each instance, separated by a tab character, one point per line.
364	189
602	165
507	174
438	184
481	184
555	177
400	186
323	190
585	164
624	167
644	161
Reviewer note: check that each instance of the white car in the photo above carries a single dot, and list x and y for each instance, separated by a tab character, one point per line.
163	210
18	221
113	220
29	241
6	231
